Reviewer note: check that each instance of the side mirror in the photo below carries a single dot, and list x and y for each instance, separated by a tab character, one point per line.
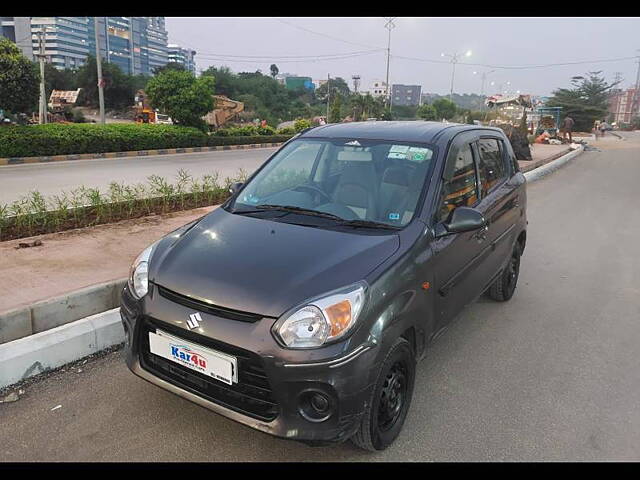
235	187
463	219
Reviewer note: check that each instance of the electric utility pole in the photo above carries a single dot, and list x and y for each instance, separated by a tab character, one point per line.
636	95
328	94
389	26
42	108
99	65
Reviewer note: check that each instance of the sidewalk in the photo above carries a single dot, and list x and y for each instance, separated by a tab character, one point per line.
541	154
68	261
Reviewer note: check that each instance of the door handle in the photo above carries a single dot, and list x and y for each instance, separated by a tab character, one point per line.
482	234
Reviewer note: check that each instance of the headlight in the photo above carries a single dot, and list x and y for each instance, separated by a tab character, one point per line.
322	320
139	273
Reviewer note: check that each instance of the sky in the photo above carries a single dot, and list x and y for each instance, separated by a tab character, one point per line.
343	47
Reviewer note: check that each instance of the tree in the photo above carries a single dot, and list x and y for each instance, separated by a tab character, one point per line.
119	89
445	108
427	112
19	79
170	66
586	102
338	87
274	70
334	112
185	98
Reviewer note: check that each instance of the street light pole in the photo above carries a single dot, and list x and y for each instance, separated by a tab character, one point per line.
42	108
99	65
454	60
389	26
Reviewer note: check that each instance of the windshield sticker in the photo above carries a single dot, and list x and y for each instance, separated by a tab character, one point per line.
394	216
413	154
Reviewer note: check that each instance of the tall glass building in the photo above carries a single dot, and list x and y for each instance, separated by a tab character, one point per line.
183	56
137	45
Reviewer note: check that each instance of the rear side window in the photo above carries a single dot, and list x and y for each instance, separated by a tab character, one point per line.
492	166
459	188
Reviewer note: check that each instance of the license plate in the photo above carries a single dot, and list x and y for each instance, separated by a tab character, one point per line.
211	363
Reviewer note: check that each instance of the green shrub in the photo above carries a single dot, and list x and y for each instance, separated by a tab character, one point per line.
286	131
61	139
215	140
301	124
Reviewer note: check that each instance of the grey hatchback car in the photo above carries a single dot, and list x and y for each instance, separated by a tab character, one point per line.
301	306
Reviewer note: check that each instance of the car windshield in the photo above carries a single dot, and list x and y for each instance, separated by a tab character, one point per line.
359	182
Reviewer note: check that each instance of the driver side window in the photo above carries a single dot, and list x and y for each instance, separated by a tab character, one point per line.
460	186
293	170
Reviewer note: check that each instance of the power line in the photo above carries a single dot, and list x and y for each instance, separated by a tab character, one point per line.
276	57
517	67
324	34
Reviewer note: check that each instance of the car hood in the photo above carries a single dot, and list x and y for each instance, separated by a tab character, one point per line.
262	266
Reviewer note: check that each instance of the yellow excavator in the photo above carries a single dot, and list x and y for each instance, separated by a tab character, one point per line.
225	110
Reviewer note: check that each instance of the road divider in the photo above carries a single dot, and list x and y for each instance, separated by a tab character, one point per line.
135	153
44	351
57	311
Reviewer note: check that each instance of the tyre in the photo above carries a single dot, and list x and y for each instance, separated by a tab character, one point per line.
503	288
389	403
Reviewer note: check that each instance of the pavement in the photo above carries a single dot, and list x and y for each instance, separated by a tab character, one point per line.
551	375
66	261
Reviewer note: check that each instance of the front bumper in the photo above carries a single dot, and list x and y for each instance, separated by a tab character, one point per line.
273	381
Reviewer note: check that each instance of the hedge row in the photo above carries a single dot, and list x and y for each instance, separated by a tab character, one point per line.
63	139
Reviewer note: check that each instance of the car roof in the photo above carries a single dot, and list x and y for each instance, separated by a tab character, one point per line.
404	131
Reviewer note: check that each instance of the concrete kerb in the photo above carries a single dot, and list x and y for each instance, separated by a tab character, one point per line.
538	173
134	153
29	356
52	348
51	313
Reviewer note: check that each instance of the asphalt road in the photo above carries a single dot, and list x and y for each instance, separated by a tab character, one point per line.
53	178
554	374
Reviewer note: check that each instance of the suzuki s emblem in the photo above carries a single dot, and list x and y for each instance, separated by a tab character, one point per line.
194	320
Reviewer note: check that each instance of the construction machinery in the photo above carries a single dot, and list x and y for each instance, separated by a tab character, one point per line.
143	111
224	111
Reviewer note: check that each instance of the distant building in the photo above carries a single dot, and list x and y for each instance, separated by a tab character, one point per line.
622	106
297	83
18	30
183	56
405	95
378	89
136	44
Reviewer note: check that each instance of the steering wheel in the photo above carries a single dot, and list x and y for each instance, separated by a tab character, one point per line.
313	189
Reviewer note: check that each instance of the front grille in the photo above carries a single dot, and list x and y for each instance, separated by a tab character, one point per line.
207	307
251	396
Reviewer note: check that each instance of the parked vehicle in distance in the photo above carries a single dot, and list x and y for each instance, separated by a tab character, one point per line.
301	306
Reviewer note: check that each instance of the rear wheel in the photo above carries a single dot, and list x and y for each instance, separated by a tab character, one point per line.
389	403
503	288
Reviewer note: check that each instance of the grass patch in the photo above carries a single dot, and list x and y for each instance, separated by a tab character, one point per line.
85	207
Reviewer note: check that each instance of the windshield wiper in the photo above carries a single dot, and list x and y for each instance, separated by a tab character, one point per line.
369	224
291	209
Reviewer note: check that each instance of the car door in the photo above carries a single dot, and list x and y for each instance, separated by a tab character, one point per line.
458	258
499	202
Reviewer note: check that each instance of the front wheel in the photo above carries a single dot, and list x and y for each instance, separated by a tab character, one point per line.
503	288
387	408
